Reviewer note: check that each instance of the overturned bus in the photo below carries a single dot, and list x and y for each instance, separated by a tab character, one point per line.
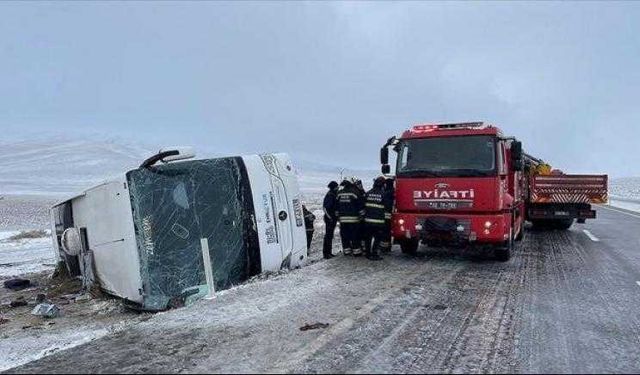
165	234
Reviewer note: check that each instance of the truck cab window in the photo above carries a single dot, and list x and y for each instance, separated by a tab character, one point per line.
448	156
404	156
501	159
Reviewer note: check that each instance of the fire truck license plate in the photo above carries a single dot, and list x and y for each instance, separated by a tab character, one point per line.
443	205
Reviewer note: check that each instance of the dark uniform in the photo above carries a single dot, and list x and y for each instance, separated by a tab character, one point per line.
330	219
309	218
361	227
389	191
378	207
349	208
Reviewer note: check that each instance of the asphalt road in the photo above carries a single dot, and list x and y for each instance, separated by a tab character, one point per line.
568	301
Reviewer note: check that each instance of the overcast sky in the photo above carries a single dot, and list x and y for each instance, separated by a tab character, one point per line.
327	82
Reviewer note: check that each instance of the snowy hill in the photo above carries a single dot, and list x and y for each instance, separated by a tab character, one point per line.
61	166
314	177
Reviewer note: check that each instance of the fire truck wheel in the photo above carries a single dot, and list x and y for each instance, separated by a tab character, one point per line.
520	235
409	247
503	253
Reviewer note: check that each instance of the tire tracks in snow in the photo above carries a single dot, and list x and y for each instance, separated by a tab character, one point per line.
466	320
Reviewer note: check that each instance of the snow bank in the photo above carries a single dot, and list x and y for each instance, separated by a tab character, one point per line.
627	204
625	193
24	256
625	188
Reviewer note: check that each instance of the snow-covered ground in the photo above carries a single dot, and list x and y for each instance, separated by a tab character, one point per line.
625	204
627	188
39	341
49	170
625	193
26	255
34	176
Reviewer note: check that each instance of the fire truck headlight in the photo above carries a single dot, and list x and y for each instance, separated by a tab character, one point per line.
401	221
487	224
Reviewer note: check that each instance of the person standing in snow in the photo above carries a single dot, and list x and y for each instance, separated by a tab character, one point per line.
377	211
361	227
350	205
389	191
330	219
309	219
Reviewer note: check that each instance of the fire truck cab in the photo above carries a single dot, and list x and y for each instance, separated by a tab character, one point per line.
457	184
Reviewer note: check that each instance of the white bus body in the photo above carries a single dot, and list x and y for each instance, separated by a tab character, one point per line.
142	231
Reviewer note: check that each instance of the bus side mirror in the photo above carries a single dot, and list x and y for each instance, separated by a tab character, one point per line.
169	154
384	156
386	169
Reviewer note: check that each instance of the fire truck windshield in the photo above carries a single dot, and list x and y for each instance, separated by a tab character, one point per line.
457	156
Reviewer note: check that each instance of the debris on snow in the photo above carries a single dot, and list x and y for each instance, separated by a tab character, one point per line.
40	298
38	233
46	310
18	302
309	327
83	297
17	284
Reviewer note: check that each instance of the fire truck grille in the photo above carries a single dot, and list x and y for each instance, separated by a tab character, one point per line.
445	228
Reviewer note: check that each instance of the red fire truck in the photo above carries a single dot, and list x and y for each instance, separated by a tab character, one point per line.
467	184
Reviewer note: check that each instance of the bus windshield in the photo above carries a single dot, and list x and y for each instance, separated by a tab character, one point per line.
177	204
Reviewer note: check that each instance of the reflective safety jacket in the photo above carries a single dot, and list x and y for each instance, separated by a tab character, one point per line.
350	204
377	206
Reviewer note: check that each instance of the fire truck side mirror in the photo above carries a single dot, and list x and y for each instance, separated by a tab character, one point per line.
386	169
516	156
384	155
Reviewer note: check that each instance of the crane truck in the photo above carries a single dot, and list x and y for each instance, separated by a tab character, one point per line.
467	184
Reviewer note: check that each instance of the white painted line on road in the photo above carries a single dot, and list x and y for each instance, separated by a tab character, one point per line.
620	211
591	236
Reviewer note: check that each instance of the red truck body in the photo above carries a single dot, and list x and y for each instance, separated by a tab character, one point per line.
564	197
467	183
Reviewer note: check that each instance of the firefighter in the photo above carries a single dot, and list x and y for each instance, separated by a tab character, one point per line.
309	219
377	211
358	183
349	206
361	228
330	219
389	191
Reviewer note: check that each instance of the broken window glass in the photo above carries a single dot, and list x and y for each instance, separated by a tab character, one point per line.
174	206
